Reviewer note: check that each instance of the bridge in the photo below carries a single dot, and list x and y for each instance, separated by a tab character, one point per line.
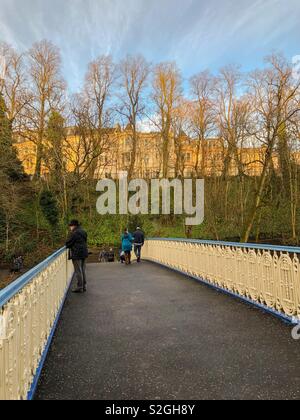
196	320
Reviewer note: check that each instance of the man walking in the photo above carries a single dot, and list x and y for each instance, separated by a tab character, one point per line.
139	240
77	244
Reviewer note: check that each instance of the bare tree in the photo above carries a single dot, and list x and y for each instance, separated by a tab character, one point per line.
99	82
202	116
14	88
287	164
134	72
81	153
47	89
232	118
275	95
182	141
227	115
167	93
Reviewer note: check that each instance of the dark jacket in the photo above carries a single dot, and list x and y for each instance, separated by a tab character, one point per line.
77	244
139	238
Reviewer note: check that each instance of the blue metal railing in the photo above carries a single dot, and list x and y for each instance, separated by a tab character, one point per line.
275	248
10	291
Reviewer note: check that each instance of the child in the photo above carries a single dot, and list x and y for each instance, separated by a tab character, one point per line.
122	257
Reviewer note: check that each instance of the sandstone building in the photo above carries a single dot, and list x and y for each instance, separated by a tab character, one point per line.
114	148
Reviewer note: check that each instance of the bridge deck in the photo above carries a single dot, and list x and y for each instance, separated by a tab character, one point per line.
144	332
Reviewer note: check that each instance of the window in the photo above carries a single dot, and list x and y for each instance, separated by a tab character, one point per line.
128	142
126	158
188	157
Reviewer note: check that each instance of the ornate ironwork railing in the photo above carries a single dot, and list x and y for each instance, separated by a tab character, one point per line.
29	310
268	276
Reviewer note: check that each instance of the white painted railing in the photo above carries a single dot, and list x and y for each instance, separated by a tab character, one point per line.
268	276
29	309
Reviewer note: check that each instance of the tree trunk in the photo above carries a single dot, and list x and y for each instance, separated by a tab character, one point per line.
39	158
133	154
165	156
258	198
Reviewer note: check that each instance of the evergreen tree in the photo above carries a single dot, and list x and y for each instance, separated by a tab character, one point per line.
49	208
55	159
10	166
55	135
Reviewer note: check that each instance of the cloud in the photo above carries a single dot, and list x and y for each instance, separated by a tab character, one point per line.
196	33
240	32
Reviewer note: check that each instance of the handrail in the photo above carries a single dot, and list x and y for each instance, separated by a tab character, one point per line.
276	248
265	275
11	290
30	309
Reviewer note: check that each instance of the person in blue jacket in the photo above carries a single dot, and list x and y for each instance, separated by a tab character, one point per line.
127	240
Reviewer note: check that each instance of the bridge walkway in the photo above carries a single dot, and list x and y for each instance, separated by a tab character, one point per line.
146	332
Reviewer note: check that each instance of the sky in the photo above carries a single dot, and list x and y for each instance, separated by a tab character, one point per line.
198	34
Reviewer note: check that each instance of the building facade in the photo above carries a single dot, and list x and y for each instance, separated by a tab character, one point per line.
108	153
